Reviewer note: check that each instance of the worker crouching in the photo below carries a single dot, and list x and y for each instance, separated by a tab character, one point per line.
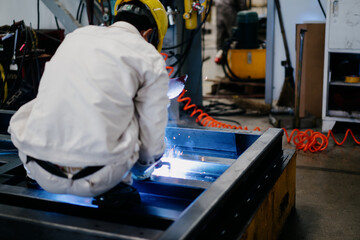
101	109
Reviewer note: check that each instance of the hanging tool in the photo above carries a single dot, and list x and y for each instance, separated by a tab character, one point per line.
171	15
298	85
286	97
13	65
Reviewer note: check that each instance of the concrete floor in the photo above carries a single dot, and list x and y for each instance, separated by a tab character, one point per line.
327	194
327	183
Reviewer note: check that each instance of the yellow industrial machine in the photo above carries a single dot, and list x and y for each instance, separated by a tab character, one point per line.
244	57
247	63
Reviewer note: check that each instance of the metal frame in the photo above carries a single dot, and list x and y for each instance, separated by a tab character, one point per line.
270	38
220	209
224	203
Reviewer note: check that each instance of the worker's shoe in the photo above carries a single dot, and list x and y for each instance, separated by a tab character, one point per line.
121	196
218	57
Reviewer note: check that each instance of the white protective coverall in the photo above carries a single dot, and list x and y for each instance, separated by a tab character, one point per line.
102	101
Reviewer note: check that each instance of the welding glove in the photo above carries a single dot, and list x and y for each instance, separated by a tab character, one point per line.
141	172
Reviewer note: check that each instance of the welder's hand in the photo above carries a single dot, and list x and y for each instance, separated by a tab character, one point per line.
142	172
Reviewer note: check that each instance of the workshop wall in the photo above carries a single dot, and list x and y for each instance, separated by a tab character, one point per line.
293	12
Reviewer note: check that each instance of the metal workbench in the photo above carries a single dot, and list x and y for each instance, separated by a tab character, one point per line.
210	187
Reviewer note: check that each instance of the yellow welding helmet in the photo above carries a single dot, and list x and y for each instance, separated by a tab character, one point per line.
158	13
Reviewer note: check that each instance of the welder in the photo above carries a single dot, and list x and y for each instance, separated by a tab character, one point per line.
99	118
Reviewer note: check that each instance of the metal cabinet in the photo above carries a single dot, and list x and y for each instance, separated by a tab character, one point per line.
341	89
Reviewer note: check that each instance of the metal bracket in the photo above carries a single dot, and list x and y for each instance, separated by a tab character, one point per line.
64	16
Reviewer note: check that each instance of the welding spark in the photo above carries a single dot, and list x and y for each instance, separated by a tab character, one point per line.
172	153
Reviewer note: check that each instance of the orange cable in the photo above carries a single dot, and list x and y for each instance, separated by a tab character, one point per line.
303	140
204	118
167	67
315	141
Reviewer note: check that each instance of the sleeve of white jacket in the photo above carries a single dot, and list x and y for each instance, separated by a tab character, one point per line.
151	105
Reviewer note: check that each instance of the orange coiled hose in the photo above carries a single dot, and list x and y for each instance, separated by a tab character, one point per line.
167	67
315	141
303	140
204	118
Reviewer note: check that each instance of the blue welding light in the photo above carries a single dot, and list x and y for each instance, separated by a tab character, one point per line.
190	169
71	199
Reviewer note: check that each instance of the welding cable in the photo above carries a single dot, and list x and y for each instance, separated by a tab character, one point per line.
303	140
171	70
167	67
315	141
203	118
307	140
346	134
166	56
